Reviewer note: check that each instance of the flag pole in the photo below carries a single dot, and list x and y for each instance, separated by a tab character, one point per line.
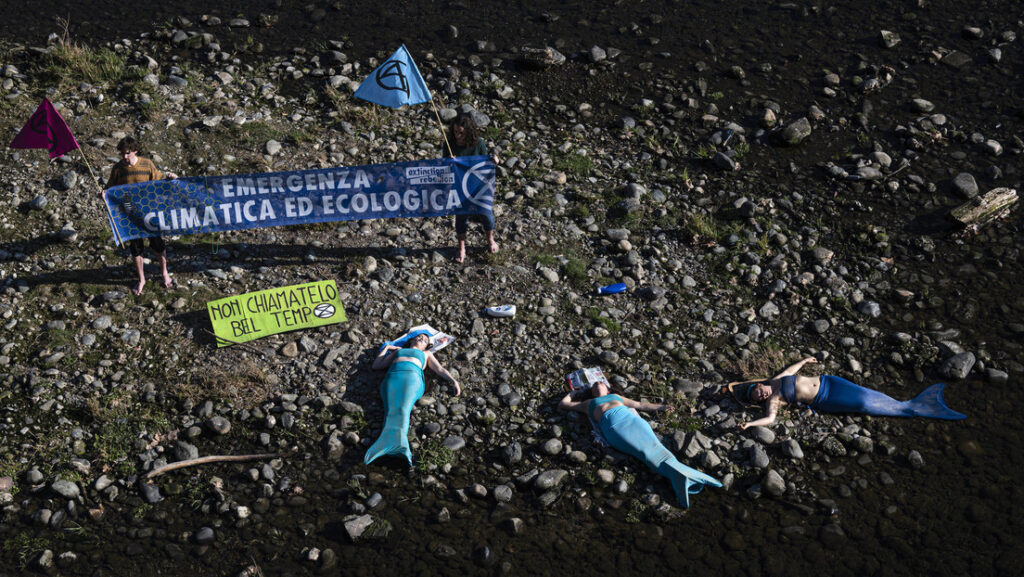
117	235
441	126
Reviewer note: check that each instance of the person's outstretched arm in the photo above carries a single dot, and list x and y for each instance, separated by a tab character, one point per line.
435	366
567	404
385	358
773	412
645	406
795	367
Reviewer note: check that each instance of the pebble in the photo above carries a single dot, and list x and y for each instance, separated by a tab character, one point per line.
552	447
218	425
150	493
66	489
958	366
454	442
773	483
204	536
965	185
550	479
915	459
791	448
796	131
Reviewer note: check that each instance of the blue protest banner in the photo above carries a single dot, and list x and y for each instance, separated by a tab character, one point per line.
395	83
424	188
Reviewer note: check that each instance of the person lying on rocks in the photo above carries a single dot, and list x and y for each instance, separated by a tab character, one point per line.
615	418
403	385
831	394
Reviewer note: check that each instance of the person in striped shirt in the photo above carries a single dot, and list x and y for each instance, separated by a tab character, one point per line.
132	169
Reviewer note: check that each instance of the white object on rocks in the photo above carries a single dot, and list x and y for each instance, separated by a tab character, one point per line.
502	311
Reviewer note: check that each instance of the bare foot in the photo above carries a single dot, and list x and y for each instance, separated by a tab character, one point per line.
168	281
461	256
138	288
494	246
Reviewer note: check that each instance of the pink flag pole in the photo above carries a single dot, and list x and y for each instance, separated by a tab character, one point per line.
117	235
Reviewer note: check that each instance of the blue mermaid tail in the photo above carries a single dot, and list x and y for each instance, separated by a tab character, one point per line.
838	395
402	387
685	480
628	432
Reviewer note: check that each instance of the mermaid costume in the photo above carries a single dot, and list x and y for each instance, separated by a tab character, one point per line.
838	395
403	385
625	430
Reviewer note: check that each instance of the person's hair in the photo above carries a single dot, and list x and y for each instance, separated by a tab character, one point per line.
742	393
589	393
128	144
465	121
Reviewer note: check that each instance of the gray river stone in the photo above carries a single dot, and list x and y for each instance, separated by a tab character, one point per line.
454	442
965	185
833	447
503	493
552	447
150	493
204	536
773	483
183	451
791	448
550	479
218	425
66	489
355	526
957	367
869	309
759	457
915	459
796	131
762	435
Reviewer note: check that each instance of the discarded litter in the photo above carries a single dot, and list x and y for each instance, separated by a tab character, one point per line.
502	311
612	289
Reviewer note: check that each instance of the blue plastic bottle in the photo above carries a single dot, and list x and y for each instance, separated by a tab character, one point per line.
612	289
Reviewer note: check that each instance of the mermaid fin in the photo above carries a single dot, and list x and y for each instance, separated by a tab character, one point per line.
392	441
685	480
931	404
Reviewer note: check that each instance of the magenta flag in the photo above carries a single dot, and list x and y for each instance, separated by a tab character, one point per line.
46	129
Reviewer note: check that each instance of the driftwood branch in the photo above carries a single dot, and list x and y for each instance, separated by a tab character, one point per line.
982	210
211	459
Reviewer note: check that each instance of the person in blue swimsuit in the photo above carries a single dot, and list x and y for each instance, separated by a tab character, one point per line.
403	385
831	394
615	417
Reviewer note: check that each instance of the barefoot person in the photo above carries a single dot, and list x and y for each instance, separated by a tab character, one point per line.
621	427
132	169
464	141
830	394
403	385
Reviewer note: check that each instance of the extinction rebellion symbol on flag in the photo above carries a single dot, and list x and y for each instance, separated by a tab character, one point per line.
395	83
391	73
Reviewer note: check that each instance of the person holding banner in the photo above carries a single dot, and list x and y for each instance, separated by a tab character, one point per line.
132	169
403	385
463	141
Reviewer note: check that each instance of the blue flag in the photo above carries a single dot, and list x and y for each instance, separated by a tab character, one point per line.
395	83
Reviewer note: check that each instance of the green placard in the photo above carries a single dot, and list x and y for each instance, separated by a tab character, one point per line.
250	316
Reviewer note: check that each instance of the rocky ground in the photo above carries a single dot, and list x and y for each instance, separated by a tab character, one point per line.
752	225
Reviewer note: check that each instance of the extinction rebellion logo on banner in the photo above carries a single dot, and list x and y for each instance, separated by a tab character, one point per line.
440	187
